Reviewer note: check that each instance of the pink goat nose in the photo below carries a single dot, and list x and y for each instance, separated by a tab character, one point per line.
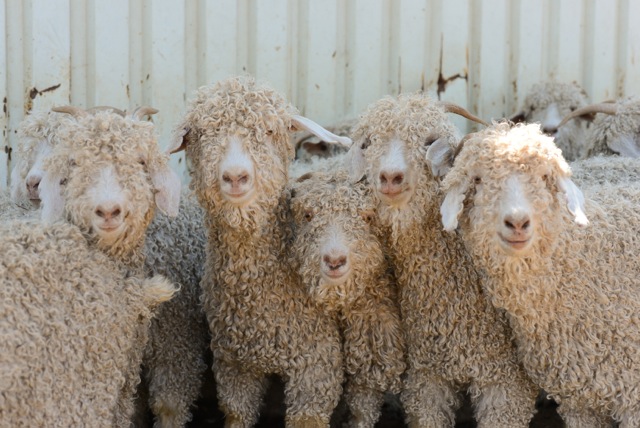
108	212
335	263
517	223
32	184
239	177
393	178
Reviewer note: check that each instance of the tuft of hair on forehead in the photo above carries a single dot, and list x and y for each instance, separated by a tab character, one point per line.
522	145
333	190
412	117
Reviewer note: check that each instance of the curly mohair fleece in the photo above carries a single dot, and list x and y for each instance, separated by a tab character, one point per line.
365	305
178	335
175	248
456	340
608	131
567	96
600	170
36	130
129	146
261	320
10	210
70	322
572	298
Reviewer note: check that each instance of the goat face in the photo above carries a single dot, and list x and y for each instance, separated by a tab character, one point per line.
335	245
511	190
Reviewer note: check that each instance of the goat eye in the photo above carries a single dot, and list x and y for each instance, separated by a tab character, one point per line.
308	215
429	141
572	108
269	132
545	177
477	180
366	143
142	162
63	181
72	163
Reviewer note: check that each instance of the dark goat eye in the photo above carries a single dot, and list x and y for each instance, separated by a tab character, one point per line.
63	181
477	180
142	162
429	141
366	143
308	215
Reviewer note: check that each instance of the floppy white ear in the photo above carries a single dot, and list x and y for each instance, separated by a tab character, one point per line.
301	122
18	186
439	155
626	145
167	185
356	163
177	142
51	198
575	200
452	207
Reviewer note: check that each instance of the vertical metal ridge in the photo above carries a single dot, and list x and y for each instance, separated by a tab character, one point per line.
587	47
622	43
147	45
136	56
301	46
90	53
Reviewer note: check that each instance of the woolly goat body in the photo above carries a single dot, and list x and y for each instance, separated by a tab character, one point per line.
569	290
70	325
456	340
344	269
261	320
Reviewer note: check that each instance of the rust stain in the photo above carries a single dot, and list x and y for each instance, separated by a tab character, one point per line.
128	95
8	151
444	81
34	92
4	105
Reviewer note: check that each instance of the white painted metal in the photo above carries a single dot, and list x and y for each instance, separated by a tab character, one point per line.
329	57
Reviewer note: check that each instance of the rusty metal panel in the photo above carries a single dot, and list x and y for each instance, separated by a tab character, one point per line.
330	58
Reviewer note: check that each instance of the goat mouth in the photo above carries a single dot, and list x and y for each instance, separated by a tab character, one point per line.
516	244
395	198
336	275
109	229
239	198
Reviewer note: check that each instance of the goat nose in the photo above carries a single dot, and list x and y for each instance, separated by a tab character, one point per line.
108	212
33	183
391	178
236	177
517	223
335	262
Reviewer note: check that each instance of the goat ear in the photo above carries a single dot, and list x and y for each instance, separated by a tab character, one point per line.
452	206
51	198
626	145
167	185
440	157
300	122
575	200
178	140
356	163
18	185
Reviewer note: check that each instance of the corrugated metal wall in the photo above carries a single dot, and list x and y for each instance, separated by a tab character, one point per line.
330	57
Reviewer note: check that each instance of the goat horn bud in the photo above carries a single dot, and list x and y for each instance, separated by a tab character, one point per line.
455	108
73	111
141	112
605	107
